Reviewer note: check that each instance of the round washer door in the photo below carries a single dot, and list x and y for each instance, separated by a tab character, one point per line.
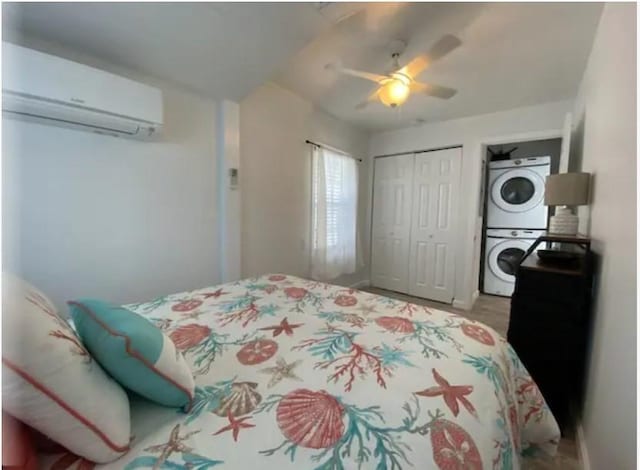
517	190
505	257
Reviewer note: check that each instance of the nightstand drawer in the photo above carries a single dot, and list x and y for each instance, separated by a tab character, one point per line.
541	347
549	286
543	313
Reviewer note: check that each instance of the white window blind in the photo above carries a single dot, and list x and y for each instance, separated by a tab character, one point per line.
334	214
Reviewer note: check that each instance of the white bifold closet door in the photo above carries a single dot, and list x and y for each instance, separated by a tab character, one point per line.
414	223
391	229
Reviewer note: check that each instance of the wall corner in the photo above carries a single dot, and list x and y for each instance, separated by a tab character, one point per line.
229	190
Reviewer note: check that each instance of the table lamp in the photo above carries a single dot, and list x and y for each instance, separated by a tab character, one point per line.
564	190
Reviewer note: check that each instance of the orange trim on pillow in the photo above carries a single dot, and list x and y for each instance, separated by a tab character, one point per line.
132	353
64	406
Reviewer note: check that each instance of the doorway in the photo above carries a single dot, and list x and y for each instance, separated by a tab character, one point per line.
517	215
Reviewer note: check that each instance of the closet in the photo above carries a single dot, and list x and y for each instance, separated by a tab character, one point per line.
414	222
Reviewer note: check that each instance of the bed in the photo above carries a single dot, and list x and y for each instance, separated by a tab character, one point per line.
298	374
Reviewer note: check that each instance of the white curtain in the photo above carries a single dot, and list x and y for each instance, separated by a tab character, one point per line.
334	214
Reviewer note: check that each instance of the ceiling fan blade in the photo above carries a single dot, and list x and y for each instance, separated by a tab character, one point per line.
445	44
370	99
429	89
374	77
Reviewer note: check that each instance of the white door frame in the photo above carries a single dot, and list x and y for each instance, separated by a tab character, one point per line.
500	140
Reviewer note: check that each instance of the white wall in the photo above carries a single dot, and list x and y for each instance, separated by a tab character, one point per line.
535	148
604	144
530	123
97	216
276	180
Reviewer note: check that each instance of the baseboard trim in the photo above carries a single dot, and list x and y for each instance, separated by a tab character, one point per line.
583	452
460	304
474	297
361	284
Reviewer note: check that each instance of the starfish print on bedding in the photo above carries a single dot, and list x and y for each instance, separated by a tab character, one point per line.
215	294
175	444
352	319
367	309
280	371
234	426
191	315
283	327
451	394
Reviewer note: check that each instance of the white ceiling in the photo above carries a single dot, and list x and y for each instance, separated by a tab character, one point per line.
223	50
513	54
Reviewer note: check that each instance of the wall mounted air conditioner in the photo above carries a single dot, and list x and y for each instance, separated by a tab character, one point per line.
51	90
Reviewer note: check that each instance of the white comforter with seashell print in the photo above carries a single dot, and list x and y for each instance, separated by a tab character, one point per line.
297	374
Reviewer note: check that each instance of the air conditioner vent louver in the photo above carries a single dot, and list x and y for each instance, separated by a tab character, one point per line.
79	97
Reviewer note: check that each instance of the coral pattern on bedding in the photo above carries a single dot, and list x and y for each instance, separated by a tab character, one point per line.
298	374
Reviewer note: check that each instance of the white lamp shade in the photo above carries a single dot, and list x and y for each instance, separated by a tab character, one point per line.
394	92
567	189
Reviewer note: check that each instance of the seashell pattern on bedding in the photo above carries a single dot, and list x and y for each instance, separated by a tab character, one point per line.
298	374
312	419
242	399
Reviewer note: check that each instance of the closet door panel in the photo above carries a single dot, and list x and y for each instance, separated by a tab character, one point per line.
432	252
422	221
391	227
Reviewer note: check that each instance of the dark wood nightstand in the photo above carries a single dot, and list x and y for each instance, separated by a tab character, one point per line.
550	322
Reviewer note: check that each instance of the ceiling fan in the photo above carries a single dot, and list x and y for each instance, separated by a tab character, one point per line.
394	88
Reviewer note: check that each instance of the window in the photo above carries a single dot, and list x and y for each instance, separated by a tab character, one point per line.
334	214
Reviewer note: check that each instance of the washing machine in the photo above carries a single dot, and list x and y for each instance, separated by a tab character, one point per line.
504	250
516	193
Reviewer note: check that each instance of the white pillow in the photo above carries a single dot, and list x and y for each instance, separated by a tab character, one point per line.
50	381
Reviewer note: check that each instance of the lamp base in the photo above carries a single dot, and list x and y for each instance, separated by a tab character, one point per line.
564	222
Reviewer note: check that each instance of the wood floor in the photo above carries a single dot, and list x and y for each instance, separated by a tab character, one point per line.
488	309
494	311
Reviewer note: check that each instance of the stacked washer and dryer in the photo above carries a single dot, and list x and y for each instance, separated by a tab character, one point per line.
516	216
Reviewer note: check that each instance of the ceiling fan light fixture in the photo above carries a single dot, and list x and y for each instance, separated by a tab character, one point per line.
394	92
